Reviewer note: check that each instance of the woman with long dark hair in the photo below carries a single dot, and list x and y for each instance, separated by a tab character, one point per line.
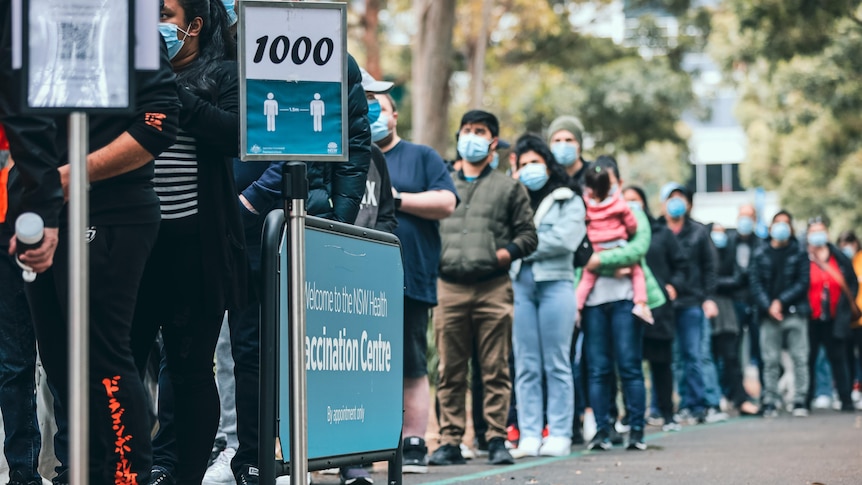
543	284
197	267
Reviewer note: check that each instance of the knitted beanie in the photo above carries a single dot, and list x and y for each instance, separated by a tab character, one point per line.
570	124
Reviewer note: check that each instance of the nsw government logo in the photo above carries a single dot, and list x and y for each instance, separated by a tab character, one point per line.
256	148
332	147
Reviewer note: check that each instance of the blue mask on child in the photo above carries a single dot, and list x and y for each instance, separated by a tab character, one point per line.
818	239
676	208
534	176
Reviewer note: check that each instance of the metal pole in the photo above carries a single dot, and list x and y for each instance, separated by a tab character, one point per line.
79	300
295	194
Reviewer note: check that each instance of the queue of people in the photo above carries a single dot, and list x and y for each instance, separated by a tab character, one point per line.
556	279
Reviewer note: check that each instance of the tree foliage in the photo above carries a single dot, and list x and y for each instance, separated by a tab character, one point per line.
798	68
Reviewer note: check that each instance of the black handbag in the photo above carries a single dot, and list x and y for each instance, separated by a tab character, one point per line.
583	253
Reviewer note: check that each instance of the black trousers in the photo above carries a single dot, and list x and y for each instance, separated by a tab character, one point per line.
172	299
820	333
120	448
658	353
725	352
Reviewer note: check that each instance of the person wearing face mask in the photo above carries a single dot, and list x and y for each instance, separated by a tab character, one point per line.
741	243
184	293
693	305
779	279
424	194
850	246
544	315
124	223
725	326
610	224
492	227
566	139
831	295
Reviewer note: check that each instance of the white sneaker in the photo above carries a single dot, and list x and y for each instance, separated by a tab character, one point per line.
856	395
219	473
622	428
329	471
285	479
527	447
466	452
590	427
556	446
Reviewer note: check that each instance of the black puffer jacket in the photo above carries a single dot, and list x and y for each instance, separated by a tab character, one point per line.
700	275
669	265
791	285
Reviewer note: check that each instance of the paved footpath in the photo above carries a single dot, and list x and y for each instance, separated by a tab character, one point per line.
825	448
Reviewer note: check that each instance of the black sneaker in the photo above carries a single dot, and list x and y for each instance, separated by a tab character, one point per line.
414	455
17	477
447	455
600	441
498	454
614	436
161	476
636	440
769	411
62	477
247	475
355	475
218	446
480	444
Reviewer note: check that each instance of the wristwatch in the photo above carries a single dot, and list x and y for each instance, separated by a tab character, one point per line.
397	199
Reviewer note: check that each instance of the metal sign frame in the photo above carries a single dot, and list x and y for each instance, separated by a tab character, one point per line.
242	31
107	46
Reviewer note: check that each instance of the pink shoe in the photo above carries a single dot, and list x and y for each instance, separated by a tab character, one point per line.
643	312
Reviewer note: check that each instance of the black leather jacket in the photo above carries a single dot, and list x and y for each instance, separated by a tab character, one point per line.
791	286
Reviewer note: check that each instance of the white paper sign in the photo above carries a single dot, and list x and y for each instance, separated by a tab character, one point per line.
293	44
147	39
78	54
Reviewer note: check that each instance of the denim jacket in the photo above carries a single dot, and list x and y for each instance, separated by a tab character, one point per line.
559	221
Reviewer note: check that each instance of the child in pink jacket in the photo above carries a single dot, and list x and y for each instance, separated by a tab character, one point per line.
610	224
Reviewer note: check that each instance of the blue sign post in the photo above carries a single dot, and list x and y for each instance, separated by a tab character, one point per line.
293	96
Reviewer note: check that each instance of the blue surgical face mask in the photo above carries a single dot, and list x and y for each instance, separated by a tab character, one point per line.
635	205
380	128
373	110
818	239
534	176
615	189
848	251
473	148
172	38
565	153
719	239
780	231
745	226
231	12
495	162
676	208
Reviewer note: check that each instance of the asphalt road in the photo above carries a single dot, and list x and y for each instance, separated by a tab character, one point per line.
825	448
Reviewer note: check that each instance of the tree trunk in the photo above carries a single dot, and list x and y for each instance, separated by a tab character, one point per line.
477	59
371	38
432	67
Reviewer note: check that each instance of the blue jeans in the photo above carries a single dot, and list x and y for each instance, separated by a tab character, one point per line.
542	339
689	330
613	336
17	373
823	375
712	388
